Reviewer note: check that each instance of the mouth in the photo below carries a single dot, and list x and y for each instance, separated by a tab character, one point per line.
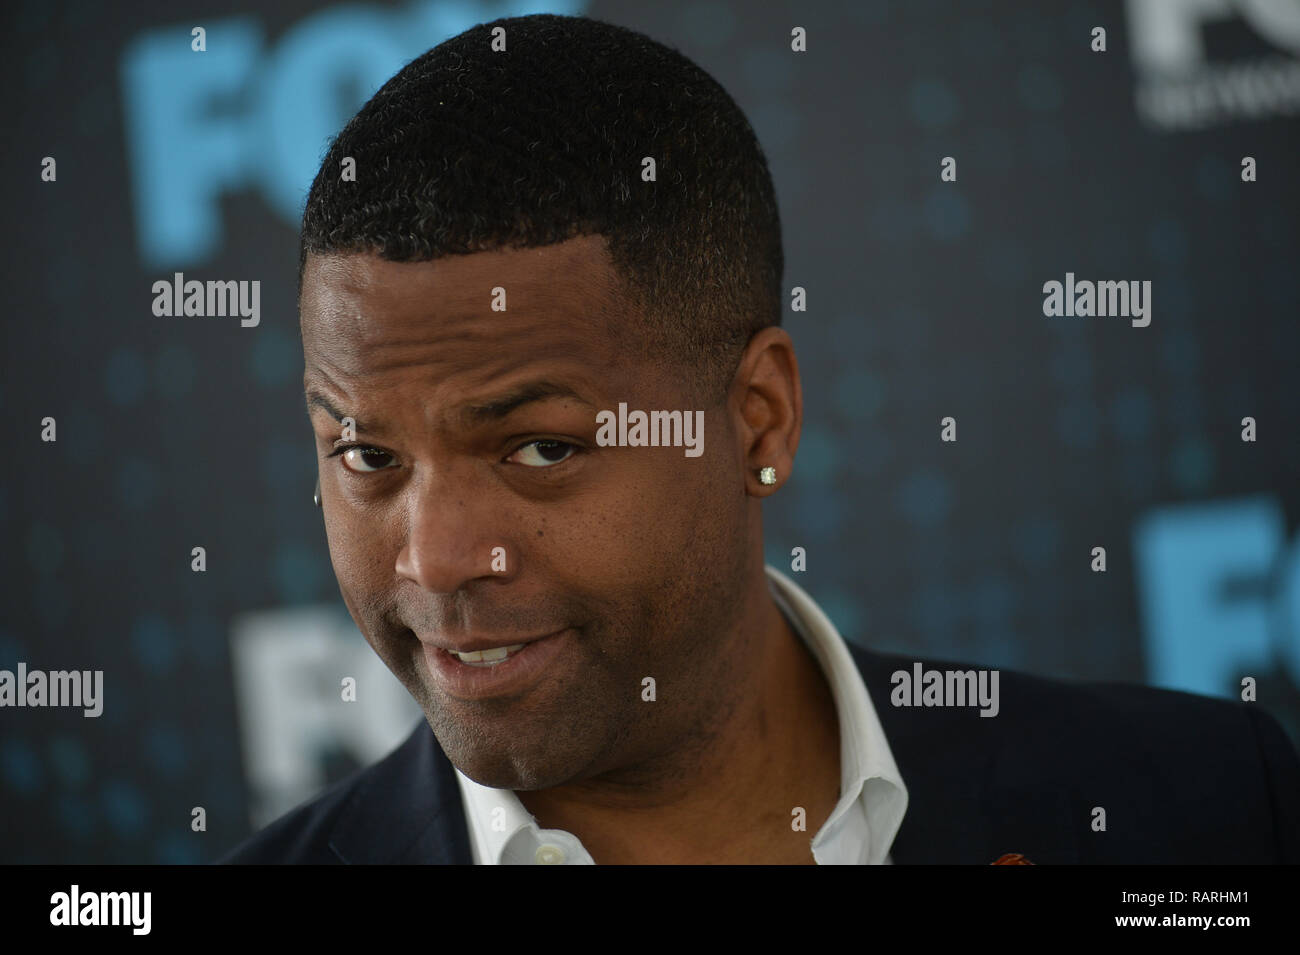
486	658
506	669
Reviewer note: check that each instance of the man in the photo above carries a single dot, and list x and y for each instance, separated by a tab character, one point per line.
556	225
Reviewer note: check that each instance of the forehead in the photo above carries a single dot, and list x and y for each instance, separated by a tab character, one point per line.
362	315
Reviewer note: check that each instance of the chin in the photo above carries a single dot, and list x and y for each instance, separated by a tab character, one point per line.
494	776
504	767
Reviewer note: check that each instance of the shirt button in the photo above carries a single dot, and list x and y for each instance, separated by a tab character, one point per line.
549	855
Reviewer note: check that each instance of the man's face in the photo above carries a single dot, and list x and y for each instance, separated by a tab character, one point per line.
474	509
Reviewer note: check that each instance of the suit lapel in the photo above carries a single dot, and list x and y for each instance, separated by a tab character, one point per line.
973	793
408	811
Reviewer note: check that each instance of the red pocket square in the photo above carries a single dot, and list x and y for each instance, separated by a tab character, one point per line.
1012	858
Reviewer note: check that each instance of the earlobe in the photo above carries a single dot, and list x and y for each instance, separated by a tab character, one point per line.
770	409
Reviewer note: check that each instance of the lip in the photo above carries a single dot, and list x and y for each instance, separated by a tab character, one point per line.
512	675
473	645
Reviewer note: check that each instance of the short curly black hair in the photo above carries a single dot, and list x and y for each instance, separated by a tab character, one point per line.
469	149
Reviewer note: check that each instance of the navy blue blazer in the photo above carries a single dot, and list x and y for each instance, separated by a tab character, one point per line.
1184	779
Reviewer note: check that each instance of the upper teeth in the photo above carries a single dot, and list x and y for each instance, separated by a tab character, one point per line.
494	655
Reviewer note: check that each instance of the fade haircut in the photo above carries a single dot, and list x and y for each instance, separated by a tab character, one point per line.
468	150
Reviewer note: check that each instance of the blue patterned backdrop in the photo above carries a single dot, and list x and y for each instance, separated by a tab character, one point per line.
924	300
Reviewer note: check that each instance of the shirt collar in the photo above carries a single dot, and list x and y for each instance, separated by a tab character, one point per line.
873	798
860	829
503	832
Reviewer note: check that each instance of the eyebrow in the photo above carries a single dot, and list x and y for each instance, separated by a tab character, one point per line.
525	394
317	399
477	414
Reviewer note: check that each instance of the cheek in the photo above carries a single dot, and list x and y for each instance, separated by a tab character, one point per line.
657	522
358	553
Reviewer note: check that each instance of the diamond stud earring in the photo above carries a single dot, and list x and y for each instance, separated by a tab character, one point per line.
767	476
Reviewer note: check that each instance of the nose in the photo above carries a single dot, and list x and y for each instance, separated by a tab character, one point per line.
449	536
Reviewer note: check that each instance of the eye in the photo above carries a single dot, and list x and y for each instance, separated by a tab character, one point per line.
363	460
544	453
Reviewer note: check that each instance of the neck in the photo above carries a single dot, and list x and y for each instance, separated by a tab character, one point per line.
730	796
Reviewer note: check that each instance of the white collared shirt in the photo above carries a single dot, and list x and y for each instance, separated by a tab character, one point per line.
859	831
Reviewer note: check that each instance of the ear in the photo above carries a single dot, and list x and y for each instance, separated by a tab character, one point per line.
767	402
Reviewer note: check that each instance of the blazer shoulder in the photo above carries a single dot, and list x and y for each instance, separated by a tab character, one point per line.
1164	763
1125	714
1175	762
352	819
